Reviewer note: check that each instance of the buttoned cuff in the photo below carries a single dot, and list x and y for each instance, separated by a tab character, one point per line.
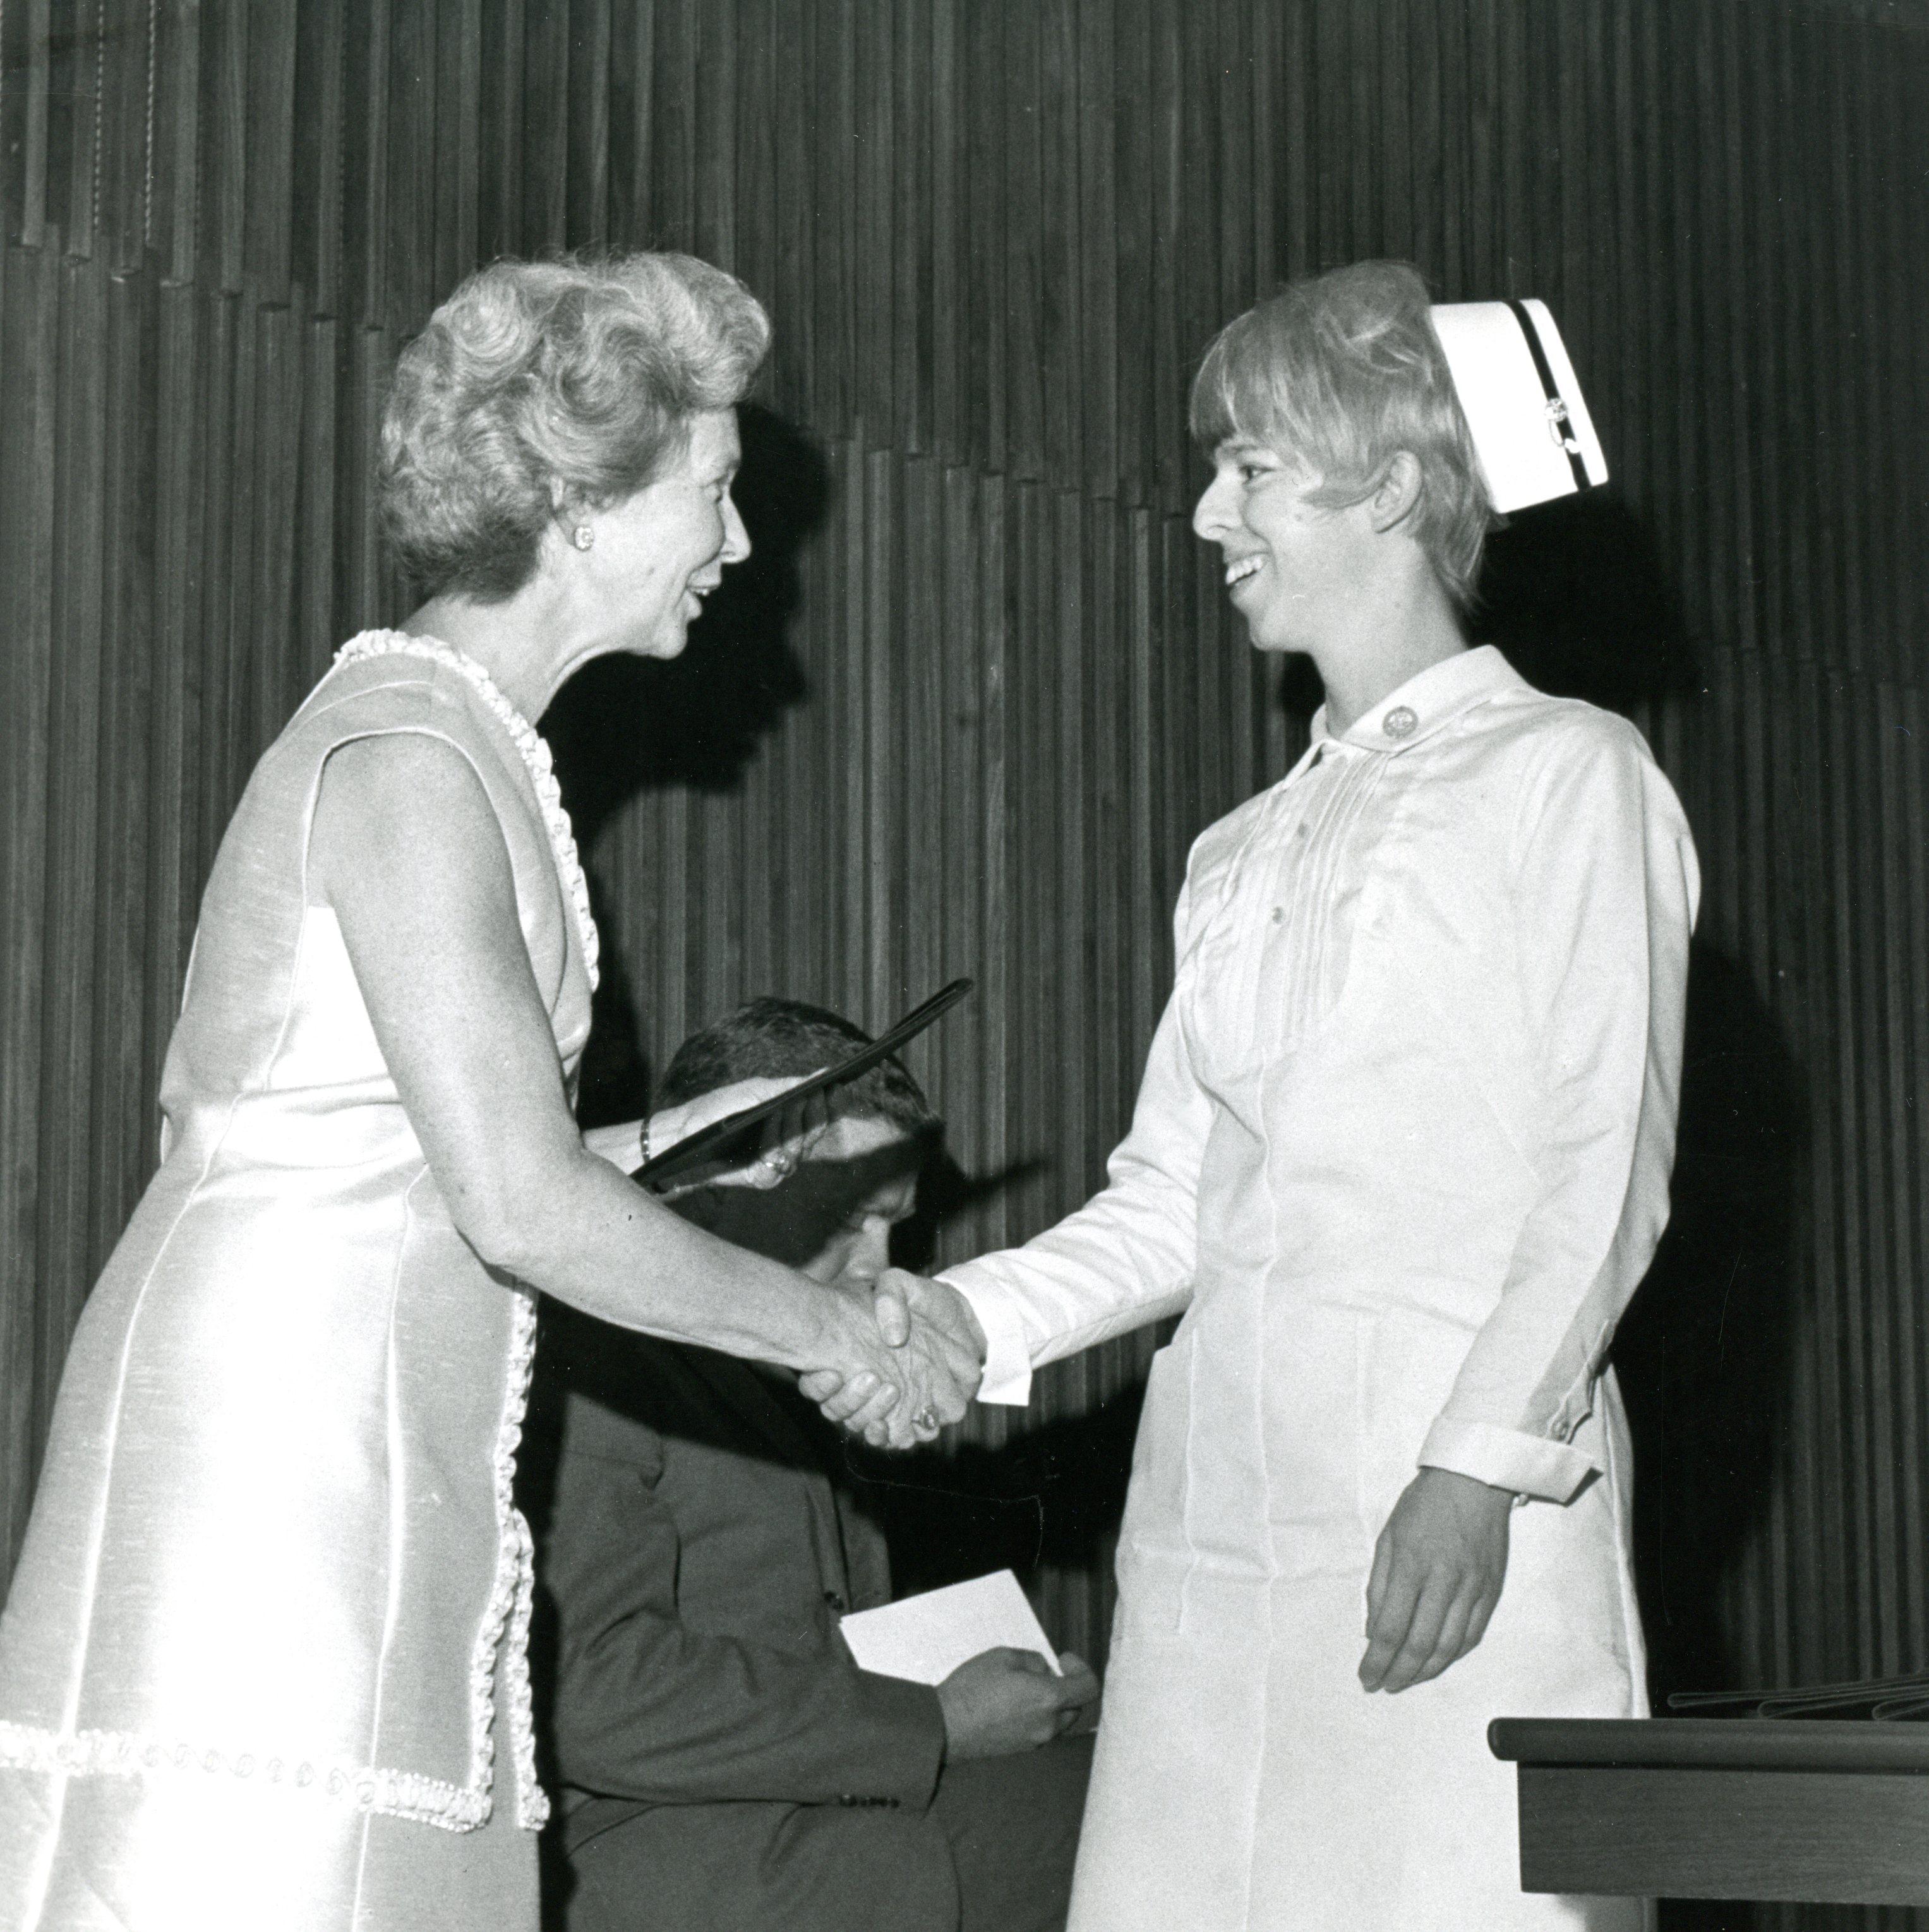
1508	1458
904	1743
1007	1376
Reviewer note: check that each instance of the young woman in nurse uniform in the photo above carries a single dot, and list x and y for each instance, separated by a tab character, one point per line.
1400	1156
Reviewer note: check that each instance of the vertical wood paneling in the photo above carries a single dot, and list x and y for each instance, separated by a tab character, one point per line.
29	356
587	117
120	1099
78	479
1002	690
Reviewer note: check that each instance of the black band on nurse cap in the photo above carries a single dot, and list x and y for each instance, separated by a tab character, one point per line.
1557	425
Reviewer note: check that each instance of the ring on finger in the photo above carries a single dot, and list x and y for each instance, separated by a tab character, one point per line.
926	1417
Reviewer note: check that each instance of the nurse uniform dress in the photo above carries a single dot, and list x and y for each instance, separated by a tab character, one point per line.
263	1666
1401	1155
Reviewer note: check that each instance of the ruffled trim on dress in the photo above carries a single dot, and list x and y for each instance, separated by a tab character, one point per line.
510	1599
402	1794
411	1795
396	1794
509	1602
530	747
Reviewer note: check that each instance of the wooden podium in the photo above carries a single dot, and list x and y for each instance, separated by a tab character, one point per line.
1722	1807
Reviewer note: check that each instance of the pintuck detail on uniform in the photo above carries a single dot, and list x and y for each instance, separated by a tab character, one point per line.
1400	1156
1289	860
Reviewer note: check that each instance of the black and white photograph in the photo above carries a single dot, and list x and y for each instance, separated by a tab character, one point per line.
963	965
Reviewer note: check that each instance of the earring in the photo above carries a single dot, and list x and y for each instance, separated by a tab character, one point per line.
583	537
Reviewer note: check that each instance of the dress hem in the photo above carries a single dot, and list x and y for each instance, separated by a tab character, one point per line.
407	1795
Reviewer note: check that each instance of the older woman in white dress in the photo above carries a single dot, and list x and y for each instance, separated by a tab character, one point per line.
261	1667
1400	1157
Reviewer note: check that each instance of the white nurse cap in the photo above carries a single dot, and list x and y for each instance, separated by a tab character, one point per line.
1517	390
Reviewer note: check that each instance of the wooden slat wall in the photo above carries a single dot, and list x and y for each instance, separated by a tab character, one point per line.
976	692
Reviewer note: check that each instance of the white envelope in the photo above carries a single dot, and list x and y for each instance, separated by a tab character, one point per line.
926	1638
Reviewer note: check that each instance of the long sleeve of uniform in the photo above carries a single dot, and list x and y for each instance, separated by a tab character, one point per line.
1126	1258
647	1707
1605	899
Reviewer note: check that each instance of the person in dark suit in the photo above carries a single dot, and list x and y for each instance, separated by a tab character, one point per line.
724	1764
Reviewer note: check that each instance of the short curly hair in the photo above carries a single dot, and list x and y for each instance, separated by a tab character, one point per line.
581	371
1339	372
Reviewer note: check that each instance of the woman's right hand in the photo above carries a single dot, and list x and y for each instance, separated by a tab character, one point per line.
907	1308
895	1396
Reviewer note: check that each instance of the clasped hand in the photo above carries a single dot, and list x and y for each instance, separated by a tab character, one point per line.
910	1362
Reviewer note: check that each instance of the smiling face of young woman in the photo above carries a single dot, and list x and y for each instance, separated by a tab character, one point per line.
656	555
1295	570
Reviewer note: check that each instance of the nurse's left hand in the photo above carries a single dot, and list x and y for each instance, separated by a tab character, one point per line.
1438	1569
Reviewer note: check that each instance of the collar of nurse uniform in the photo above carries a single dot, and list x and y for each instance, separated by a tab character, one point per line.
1427	703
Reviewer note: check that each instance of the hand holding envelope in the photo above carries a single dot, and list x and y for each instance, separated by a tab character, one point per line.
980	1646
1007	1700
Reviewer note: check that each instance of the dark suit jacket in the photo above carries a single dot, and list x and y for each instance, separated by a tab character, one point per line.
693	1556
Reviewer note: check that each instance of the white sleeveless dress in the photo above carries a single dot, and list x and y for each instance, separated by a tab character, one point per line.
262	1663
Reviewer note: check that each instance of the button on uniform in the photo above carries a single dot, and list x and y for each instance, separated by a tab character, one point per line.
1401	721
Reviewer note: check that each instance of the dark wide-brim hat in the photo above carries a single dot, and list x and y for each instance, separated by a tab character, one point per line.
1518	391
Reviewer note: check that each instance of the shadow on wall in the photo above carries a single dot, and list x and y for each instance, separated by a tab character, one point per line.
1575	595
1704	1361
1703	1354
624	726
1049	1498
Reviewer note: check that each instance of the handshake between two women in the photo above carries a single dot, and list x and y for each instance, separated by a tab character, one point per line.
908	1361
887	1355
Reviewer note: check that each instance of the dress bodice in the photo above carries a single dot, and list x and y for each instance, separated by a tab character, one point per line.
274	1537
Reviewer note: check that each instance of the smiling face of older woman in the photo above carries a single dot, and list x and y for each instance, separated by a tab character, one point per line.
604	386
654	556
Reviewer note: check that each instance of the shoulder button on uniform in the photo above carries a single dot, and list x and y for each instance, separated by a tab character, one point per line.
1401	721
